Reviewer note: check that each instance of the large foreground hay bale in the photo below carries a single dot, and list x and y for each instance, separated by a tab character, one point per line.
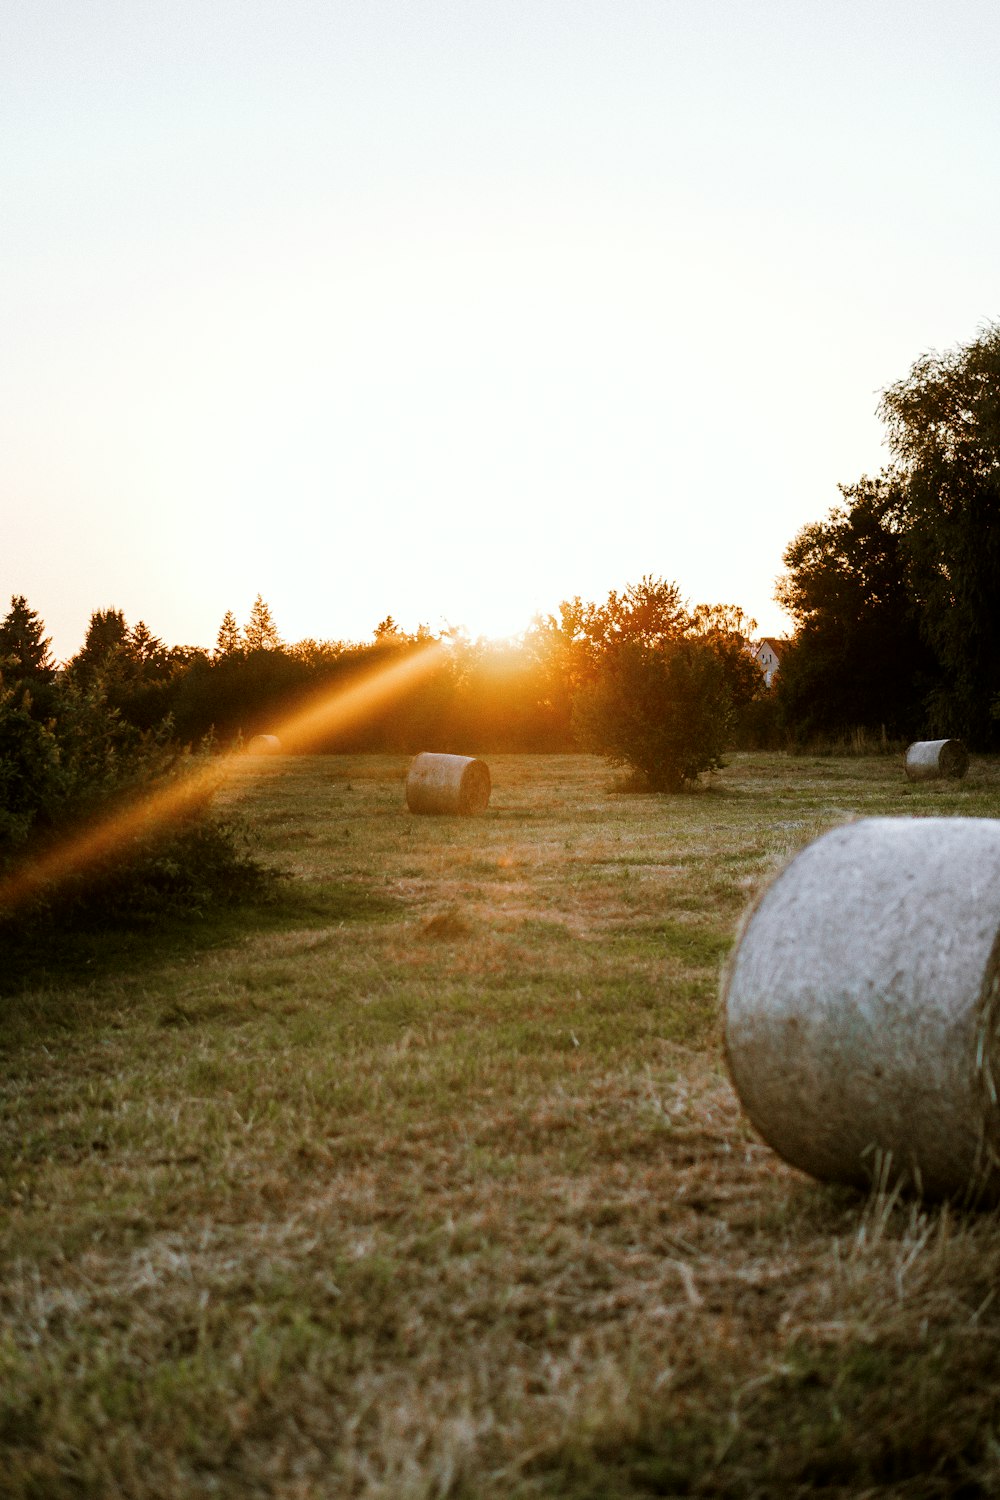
927	759
264	744
447	784
862	1006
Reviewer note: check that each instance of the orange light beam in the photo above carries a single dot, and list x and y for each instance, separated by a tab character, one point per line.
105	833
357	700
329	712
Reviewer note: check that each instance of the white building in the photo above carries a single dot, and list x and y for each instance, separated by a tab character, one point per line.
767	655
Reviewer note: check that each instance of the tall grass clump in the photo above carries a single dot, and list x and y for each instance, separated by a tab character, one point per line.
856	742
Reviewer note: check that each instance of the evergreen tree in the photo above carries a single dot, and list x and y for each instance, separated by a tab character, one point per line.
229	639
107	636
24	647
260	631
144	648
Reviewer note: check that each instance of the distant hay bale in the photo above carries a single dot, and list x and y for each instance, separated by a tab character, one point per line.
928	759
862	1007
264	744
447	784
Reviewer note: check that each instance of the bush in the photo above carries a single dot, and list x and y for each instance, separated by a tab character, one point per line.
86	772
665	710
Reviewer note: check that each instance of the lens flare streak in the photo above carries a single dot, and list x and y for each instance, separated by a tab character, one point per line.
327	714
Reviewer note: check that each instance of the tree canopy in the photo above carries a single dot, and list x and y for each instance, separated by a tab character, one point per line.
24	647
858	658
943	425
894	594
660	685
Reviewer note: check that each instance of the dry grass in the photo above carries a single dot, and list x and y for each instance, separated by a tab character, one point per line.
427	1181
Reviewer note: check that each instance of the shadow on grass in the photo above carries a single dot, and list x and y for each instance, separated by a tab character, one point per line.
47	955
824	1421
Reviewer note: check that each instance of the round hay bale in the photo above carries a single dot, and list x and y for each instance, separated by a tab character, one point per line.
447	784
264	744
927	759
861	1005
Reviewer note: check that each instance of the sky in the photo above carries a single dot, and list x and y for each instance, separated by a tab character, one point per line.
454	309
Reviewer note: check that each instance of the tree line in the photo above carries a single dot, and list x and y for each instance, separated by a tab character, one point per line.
547	691
895	594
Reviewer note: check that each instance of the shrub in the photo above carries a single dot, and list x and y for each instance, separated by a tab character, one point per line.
665	710
84	769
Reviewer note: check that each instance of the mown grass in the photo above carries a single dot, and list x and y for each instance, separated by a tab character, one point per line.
425	1179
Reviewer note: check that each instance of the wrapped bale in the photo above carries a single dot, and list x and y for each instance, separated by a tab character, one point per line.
861	1006
447	784
264	744
928	759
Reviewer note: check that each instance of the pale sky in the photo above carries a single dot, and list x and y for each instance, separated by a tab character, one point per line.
452	309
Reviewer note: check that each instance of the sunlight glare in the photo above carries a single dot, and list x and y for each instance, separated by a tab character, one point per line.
323	715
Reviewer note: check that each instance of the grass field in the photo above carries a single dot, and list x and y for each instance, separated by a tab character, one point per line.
426	1180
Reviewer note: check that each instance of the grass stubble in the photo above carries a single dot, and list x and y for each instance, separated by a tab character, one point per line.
427	1180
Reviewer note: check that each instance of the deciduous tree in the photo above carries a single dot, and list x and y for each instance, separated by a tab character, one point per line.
943	425
858	659
665	709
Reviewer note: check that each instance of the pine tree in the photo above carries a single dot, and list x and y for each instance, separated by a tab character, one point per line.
24	648
145	647
107	635
229	640
260	631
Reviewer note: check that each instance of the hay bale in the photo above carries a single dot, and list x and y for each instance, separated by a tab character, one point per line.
264	744
447	784
862	1007
927	759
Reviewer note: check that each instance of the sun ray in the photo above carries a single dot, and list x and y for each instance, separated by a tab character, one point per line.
326	713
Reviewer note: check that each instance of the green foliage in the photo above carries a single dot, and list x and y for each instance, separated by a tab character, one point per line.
482	695
728	631
199	861
943	425
26	666
85	766
260	631
895	593
24	647
665	710
238	693
28	769
229	639
858	659
136	674
658	687
107	636
648	612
